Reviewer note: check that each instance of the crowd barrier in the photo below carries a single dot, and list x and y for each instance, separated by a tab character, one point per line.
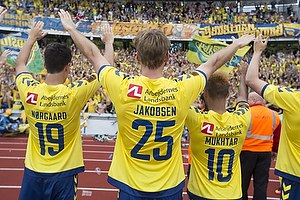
96	124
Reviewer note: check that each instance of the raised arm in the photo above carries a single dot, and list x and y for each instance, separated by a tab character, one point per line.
252	79
89	49
221	57
108	39
2	12
243	89
34	35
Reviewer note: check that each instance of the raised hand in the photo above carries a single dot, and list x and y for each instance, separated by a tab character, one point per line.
66	20
259	45
36	31
244	40
108	35
2	12
3	57
242	68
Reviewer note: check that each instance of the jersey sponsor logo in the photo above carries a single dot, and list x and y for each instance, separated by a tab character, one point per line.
135	91
244	105
207	128
31	98
194	73
90	78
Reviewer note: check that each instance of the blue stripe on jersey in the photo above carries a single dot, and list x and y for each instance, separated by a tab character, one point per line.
20	74
203	74
53	175
195	197
287	176
138	193
263	89
102	67
242	102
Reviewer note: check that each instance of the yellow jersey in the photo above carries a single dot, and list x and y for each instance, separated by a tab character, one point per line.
53	113
216	142
147	159
288	158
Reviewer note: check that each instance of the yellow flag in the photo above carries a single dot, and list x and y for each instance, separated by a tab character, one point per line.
201	48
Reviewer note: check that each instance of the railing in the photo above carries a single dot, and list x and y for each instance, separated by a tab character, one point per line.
96	124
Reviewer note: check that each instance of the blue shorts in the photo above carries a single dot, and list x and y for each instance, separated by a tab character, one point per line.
290	190
125	196
49	189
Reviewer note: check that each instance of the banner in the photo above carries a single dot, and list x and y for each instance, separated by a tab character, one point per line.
291	30
126	30
14	42
224	32
201	48
16	21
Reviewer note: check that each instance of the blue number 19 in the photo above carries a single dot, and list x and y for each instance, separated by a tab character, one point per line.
59	140
158	138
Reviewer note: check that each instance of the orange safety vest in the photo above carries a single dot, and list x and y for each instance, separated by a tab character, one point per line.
259	137
190	156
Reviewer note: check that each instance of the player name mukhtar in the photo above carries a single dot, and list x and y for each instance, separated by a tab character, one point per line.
221	141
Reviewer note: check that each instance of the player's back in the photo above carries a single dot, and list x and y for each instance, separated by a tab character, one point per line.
151	113
53	113
289	144
216	141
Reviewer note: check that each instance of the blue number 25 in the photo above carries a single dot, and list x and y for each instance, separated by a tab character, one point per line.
158	138
59	140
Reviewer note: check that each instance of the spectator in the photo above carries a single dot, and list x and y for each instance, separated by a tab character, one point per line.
260	147
90	106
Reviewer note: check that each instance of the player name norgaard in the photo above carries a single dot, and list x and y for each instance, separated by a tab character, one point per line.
49	116
155	111
215	141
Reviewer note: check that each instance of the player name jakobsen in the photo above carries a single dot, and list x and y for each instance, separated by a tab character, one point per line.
155	111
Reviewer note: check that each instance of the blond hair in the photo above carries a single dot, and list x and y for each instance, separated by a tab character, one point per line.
152	47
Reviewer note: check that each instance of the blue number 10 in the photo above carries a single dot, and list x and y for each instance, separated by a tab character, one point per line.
59	140
210	164
158	138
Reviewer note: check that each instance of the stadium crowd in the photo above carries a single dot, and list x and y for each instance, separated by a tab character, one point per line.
155	12
281	68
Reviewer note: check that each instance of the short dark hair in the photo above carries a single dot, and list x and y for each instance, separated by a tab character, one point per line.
57	56
218	84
